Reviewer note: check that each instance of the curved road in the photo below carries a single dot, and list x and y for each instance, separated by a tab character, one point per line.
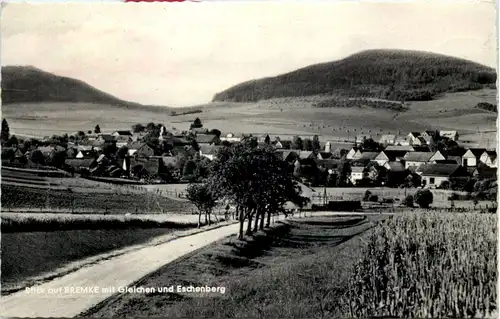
53	299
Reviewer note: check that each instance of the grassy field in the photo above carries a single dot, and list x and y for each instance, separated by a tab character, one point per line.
284	117
438	265
26	255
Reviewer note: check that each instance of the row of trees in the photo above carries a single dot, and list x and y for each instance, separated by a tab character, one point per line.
254	179
306	144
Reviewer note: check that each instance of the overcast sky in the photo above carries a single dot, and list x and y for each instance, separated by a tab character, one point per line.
182	53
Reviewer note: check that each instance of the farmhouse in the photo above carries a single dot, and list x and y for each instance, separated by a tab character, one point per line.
80	164
433	175
209	151
472	157
403	141
106	138
387	139
438	156
140	149
389	156
352	153
360	138
485	172
489	158
357	174
209	139
231	138
415	159
406	148
452	135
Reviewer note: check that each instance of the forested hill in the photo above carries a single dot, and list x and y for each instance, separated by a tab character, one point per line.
21	84
387	74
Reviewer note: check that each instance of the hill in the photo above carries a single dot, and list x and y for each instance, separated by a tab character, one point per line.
27	84
385	74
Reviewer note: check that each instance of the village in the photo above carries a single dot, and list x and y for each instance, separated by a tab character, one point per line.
150	155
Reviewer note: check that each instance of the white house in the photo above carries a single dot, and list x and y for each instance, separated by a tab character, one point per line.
231	138
489	158
356	174
352	153
433	175
437	156
472	157
388	139
452	135
415	159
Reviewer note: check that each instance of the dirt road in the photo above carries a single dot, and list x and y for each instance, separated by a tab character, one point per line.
55	298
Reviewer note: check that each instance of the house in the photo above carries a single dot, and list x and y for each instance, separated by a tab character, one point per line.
389	156
79	164
277	143
413	135
324	155
106	138
360	138
140	149
433	175
403	141
307	155
452	135
122	138
263	138
352	152
122	133
210	139
199	130
419	141
387	139
488	158
406	148
438	156
472	157
209	151
288	155
231	138
328	164
86	147
48	150
366	156
415	159
85	154
328	147
428	134
357	174
151	165
485	172
11	154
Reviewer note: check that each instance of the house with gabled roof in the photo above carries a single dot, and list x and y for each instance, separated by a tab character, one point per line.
209	139
369	156
452	135
122	133
433	175
403	141
472	157
415	159
231	138
140	149
389	156
352	153
307	155
388	139
324	155
106	138
437	156
485	172
357	174
489	158
406	148
209	151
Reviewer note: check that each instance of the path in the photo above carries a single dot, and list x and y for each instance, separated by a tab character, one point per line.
121	271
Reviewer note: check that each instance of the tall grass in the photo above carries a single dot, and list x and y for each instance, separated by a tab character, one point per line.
427	265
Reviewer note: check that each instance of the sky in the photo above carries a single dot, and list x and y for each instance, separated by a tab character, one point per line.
181	54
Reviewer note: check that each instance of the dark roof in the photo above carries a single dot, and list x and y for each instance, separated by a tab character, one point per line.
447	161
206	138
421	148
457	151
492	154
392	155
325	155
396	166
123	133
438	169
107	137
328	163
136	145
392	148
485	171
418	156
416	134
368	155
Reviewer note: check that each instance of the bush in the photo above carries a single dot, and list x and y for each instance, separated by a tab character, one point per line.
373	198
423	198
408	201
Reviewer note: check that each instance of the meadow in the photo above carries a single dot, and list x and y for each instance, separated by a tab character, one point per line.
437	265
284	117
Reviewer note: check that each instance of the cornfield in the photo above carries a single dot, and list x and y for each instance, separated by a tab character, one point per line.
427	265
